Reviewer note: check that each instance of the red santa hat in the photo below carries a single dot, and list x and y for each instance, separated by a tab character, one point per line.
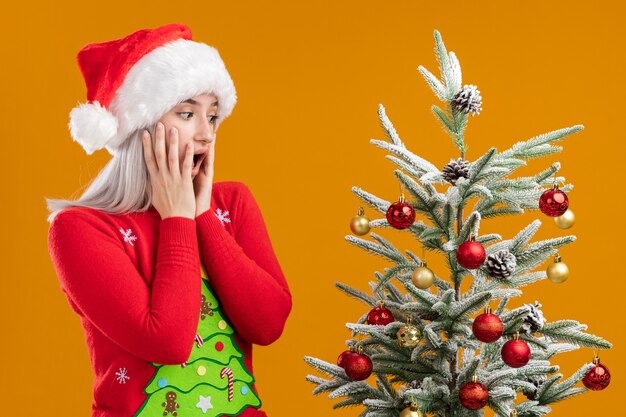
131	82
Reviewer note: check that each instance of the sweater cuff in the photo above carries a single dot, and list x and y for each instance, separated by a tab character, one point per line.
179	230
210	227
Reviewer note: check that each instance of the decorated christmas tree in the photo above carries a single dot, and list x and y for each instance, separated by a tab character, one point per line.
430	347
214	381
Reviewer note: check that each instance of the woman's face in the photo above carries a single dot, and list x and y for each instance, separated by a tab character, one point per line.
195	119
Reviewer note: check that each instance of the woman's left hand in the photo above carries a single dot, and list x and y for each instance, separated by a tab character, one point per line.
203	182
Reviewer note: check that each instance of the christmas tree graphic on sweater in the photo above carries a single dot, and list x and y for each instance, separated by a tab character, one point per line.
213	382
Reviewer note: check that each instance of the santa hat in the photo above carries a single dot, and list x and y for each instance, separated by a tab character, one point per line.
131	82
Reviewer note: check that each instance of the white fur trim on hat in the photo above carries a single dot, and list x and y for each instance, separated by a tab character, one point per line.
92	125
165	77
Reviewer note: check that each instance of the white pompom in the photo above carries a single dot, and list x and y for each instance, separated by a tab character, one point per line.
93	126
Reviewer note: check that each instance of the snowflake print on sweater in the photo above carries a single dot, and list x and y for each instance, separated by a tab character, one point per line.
122	375
128	236
223	216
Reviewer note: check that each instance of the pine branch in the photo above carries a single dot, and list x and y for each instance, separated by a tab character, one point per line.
359	295
527	149
327	368
388	127
445	67
419	164
390	253
434	84
469	305
352	388
454	125
570	331
558	391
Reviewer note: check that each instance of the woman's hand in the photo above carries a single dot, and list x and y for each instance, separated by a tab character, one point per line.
203	182
172	187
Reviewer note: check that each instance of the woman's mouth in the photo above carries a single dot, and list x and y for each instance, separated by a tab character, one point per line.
197	162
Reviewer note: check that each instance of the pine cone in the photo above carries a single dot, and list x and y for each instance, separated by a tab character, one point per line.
467	100
454	170
501	264
535	320
537	381
411	385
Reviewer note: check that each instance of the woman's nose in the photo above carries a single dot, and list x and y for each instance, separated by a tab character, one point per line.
205	132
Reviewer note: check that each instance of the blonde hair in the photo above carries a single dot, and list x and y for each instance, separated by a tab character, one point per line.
122	186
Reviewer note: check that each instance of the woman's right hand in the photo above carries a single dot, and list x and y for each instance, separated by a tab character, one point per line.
172	185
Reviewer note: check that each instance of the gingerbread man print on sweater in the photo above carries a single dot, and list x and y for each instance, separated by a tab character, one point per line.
205	310
170	404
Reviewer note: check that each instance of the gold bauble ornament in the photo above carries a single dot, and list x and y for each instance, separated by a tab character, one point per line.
565	220
408	335
360	225
422	277
411	411
557	271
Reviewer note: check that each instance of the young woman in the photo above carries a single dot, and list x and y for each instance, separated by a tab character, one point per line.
173	276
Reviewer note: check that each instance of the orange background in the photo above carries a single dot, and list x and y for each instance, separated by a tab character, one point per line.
309	78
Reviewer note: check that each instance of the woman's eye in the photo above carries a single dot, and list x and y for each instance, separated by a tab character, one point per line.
187	115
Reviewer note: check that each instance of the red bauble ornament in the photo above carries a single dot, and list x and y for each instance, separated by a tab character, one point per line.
515	353
471	254
553	202
473	395
487	327
597	378
358	366
341	360
400	215
380	316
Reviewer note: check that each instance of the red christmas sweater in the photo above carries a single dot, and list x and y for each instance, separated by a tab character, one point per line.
135	281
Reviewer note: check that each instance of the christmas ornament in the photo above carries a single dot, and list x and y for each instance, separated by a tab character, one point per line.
597	378
422	277
360	225
488	327
535	320
515	352
473	395
380	315
454	170
408	335
501	264
553	202
343	357
411	411
470	254
513	413
557	271
565	220
400	214
467	100
358	366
